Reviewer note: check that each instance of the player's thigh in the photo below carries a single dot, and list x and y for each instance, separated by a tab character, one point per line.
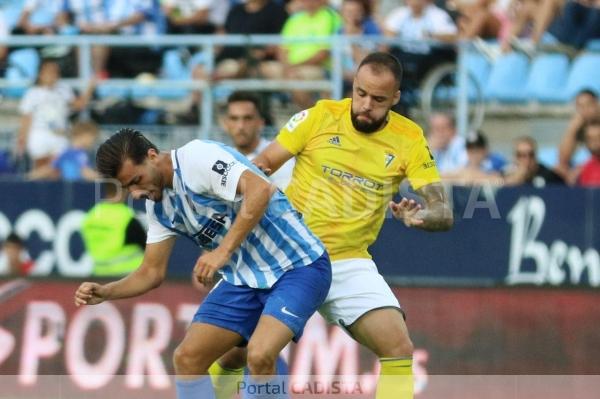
269	338
356	288
202	345
384	332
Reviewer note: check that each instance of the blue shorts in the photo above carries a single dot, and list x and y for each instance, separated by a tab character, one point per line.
292	300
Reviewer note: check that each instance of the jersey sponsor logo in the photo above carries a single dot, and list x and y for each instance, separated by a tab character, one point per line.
388	159
211	229
348	178
295	120
223	169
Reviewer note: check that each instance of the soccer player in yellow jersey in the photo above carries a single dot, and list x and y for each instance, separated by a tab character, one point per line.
351	156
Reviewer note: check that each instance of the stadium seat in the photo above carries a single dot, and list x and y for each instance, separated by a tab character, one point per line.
508	78
548	156
23	64
173	68
584	74
478	67
548	78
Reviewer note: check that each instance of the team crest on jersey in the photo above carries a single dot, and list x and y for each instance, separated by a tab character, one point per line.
388	159
335	140
296	120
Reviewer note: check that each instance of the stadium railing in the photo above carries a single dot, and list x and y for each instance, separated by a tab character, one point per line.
333	84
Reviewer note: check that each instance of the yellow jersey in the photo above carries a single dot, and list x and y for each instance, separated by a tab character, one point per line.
343	179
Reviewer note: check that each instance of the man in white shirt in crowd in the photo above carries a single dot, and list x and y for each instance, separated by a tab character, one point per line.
419	20
446	146
244	124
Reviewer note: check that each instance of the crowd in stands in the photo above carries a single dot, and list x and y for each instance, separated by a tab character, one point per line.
48	107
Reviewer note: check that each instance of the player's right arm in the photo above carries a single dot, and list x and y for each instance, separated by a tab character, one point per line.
290	141
148	276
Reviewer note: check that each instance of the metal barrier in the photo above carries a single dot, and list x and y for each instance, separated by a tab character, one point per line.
334	84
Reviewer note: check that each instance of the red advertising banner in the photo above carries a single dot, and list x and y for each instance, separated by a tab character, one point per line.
126	346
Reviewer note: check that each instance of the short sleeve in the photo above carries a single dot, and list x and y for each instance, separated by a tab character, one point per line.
27	104
210	168
442	23
298	130
421	168
156	231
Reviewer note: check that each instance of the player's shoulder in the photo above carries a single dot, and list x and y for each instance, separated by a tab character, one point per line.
332	107
404	127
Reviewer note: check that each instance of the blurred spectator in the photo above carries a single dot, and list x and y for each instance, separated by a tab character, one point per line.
577	23
14	259
477	19
3	34
45	110
112	235
6	163
448	148
482	165
195	16
306	61
420	20
244	124
589	174
526	170
356	17
538	14
415	23
39	17
103	17
250	17
73	163
587	108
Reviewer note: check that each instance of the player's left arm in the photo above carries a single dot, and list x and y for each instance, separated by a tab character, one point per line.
256	193
436	215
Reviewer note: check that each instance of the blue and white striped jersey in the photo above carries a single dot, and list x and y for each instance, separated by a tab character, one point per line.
203	204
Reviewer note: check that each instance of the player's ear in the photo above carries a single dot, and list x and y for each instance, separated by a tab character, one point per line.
396	97
152	153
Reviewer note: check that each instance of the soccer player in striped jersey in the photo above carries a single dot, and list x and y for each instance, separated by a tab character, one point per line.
276	273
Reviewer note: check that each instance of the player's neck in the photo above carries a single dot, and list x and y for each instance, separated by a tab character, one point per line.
165	164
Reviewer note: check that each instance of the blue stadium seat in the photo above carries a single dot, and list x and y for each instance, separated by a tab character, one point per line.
479	67
548	78
593	45
508	78
549	156
22	64
173	68
585	74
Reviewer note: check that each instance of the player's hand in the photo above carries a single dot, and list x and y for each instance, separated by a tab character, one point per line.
208	264
406	210
267	171
90	294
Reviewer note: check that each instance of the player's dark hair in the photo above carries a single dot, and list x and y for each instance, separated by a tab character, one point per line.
380	61
588	92
244	96
13	238
124	144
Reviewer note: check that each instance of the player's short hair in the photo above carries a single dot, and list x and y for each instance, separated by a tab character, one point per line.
244	96
588	92
380	61
125	144
14	238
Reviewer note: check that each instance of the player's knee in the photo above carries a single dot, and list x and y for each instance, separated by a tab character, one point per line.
402	347
188	362
261	361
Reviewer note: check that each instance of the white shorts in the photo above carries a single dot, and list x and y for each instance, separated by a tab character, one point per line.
356	288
